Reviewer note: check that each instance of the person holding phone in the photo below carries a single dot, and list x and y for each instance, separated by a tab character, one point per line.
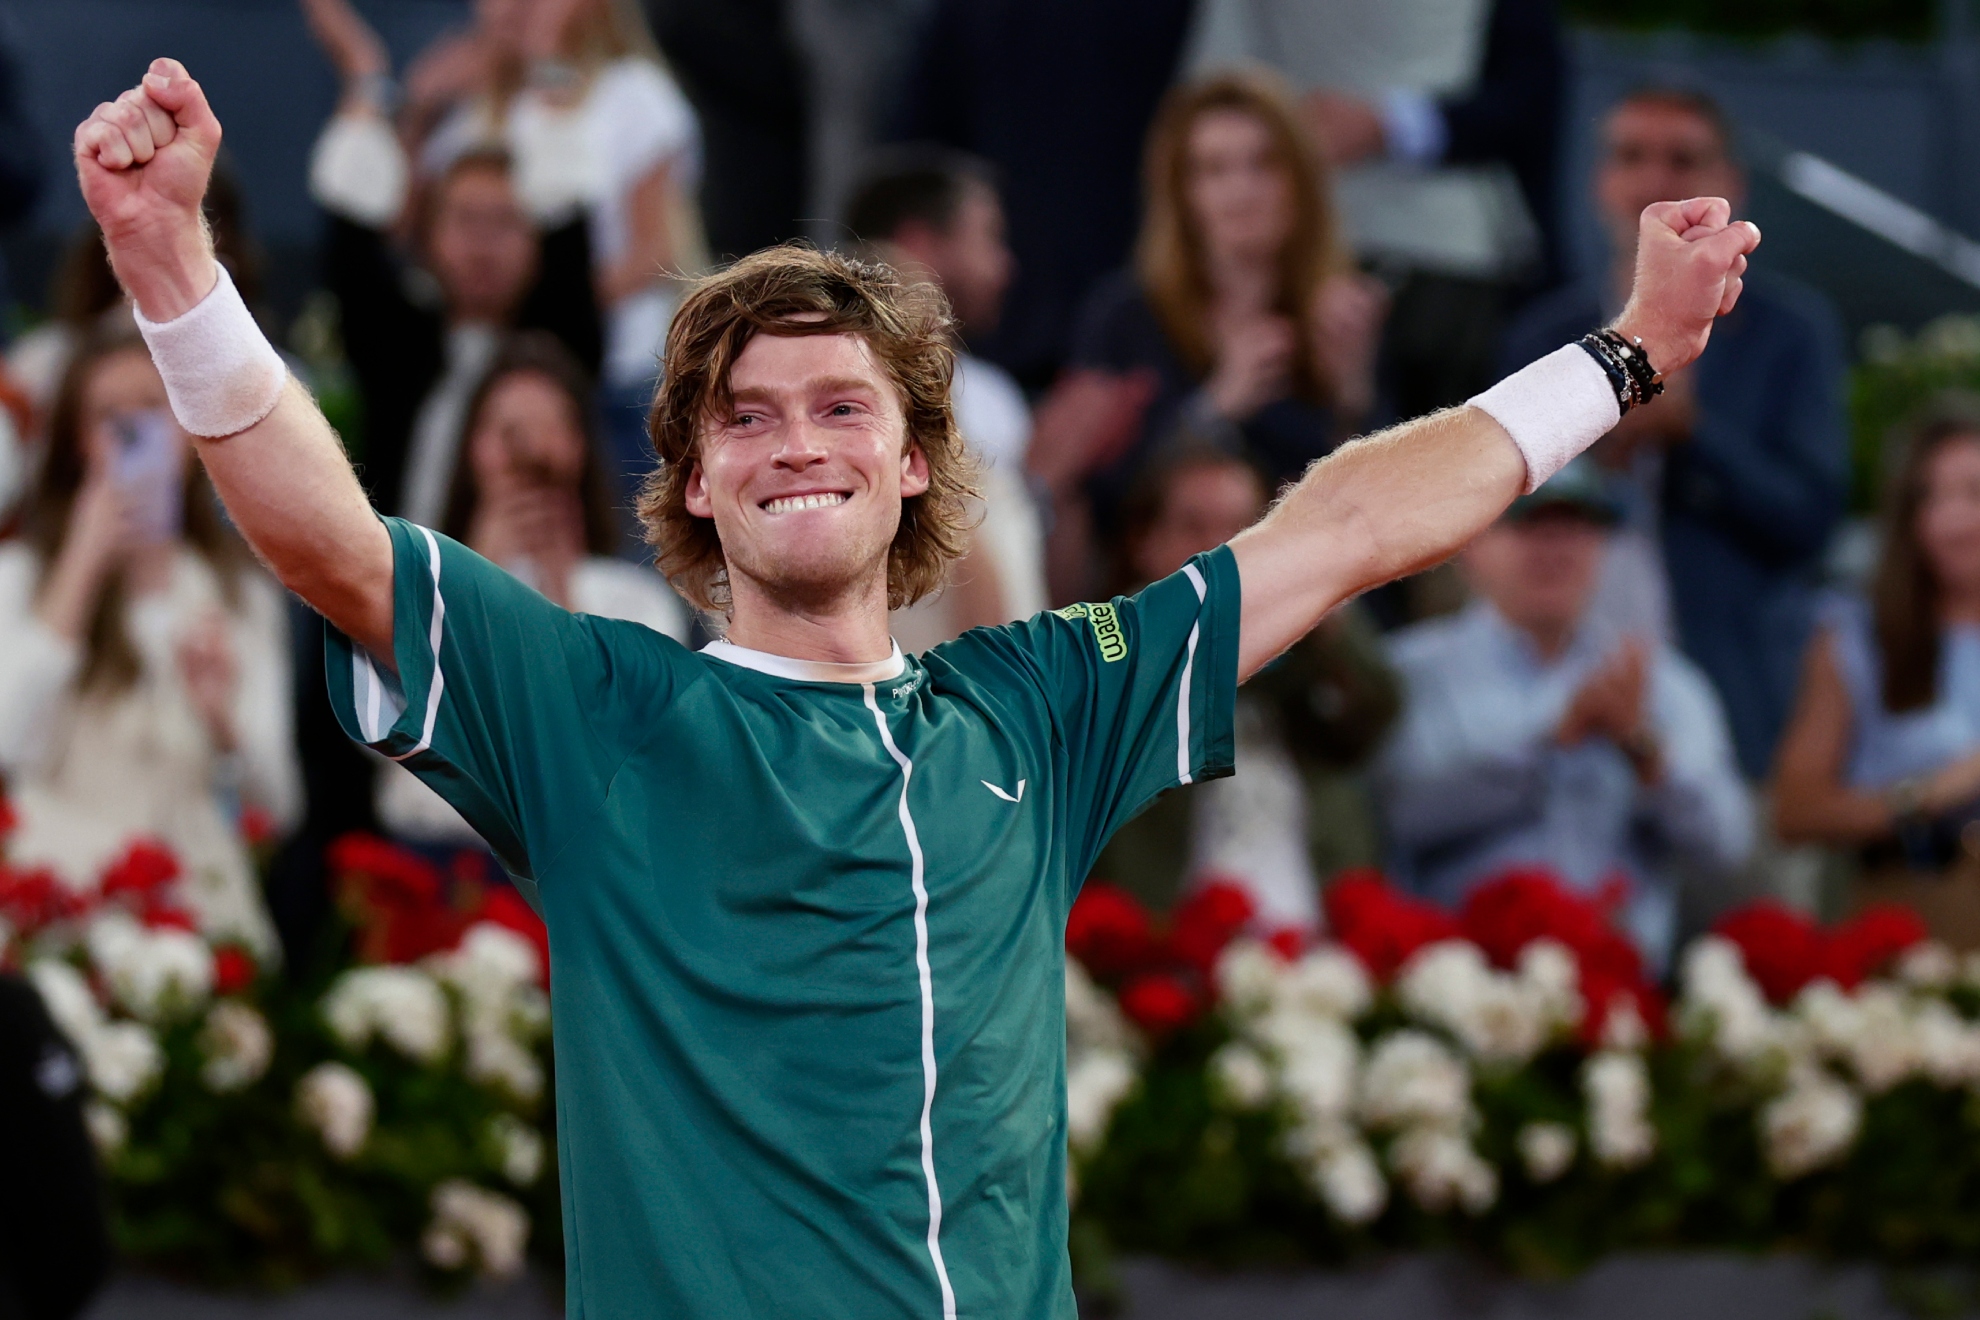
144	686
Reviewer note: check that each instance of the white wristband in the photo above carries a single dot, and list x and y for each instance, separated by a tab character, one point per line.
221	373
1553	409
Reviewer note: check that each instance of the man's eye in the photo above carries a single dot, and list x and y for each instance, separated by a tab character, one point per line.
843	410
746	419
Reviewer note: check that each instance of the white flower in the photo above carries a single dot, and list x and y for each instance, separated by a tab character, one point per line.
1247	976
1093	1019
1885	1047
1624	1028
1241	1076
1546	1149
1948	1045
402	1004
1440	1169
153	974
521	1148
489	964
123	1059
66	993
1326	982
237	1044
336	1103
107	1126
1617	1085
1095	1084
1548	966
496	1058
1501	1019
1350	1183
1722	1004
1413	1078
1813	1123
1928	965
1319	1061
470	1219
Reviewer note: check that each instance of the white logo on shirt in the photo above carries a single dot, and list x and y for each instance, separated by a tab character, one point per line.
1001	793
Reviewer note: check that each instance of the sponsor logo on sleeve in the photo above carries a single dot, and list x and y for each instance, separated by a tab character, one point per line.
1107	632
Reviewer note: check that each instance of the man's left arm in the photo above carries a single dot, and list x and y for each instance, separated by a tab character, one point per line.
1405	499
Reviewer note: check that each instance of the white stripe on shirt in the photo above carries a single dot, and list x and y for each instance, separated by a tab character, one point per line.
927	1009
1183	775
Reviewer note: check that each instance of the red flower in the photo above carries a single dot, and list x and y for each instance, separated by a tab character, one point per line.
1109	931
397	875
164	916
1289	942
1378	924
505	907
1159	1003
1867	942
141	873
33	899
257	826
233	969
1208	920
1783	949
8	820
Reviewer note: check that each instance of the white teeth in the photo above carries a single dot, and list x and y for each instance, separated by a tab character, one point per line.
792	503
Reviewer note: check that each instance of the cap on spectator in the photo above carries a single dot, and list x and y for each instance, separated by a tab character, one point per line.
1576	489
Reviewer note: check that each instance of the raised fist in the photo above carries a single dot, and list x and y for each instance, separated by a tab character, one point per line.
1690	260
143	161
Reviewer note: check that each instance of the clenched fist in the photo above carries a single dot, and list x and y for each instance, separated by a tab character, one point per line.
1690	263
143	162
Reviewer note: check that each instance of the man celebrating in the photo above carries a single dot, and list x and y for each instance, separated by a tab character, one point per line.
806	896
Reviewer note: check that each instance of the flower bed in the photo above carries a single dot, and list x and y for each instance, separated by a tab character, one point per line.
253	1131
1507	1080
1504	1080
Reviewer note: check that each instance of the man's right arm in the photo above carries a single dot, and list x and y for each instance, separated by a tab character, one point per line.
143	164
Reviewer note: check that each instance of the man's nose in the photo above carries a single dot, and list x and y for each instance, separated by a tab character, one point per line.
803	444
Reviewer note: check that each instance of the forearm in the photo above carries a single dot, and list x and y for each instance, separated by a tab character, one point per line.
289	488
1830	813
1376	509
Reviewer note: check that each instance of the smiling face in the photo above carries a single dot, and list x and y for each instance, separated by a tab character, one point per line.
805	475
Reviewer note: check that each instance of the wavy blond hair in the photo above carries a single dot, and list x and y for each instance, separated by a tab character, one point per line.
793	290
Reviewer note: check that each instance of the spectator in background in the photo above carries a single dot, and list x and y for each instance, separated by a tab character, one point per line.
1058	97
1882	754
1297	811
418	347
1535	735
531	495
933	214
576	93
144	690
1734	479
1242	301
1443	117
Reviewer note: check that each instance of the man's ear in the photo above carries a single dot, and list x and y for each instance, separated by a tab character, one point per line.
694	494
914	472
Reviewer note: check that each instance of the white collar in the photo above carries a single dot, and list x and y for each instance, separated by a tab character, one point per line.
810	671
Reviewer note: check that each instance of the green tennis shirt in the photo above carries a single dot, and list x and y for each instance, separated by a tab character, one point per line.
806	921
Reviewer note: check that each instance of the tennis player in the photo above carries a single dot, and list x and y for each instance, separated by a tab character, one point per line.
807	895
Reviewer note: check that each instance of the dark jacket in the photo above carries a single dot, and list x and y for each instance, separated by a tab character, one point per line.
1748	505
395	333
1118	332
54	1248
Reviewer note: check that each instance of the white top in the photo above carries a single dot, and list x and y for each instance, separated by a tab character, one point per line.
436	432
90	774
608	588
591	155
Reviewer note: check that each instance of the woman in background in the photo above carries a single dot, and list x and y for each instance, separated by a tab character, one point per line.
1882	754
144	688
1242	300
531	496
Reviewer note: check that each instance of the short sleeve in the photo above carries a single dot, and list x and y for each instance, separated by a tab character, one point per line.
645	120
509	707
1142	691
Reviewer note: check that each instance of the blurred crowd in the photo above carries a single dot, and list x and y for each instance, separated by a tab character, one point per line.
1191	248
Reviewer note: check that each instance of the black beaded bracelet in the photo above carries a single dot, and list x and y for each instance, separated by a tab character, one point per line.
1612	367
1645	380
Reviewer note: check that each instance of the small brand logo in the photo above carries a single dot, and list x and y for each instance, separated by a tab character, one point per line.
1107	632
1018	797
903	689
